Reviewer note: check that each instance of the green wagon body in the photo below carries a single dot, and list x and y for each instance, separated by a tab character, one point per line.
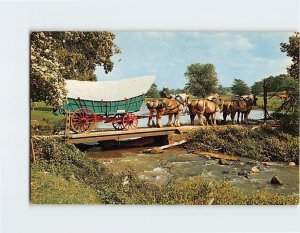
105	107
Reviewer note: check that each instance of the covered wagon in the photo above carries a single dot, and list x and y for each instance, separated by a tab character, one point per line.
109	101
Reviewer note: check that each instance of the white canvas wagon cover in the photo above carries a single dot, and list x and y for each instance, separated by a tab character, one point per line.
109	90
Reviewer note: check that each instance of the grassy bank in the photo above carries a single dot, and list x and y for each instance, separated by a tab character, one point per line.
262	143
43	121
62	174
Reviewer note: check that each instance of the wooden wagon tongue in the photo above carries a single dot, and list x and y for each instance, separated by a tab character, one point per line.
92	102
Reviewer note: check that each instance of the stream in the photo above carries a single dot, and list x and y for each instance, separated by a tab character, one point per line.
176	162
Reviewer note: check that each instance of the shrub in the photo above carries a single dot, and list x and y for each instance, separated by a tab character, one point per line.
68	162
289	122
262	144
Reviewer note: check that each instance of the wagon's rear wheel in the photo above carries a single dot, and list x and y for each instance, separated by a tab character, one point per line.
118	122
130	121
83	120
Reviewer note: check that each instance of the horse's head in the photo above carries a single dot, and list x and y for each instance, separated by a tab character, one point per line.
182	98
250	99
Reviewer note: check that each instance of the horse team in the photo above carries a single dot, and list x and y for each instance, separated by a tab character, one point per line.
208	108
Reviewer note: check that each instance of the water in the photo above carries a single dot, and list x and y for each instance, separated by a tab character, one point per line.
160	168
185	119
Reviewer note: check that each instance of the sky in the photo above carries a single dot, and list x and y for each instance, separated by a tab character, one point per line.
250	56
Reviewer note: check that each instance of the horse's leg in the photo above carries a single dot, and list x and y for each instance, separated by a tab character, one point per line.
178	118
170	123
192	116
232	115
242	117
214	115
207	119
211	118
200	117
224	116
150	120
238	117
246	117
158	119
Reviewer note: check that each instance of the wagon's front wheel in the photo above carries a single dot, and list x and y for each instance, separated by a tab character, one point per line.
130	121
83	120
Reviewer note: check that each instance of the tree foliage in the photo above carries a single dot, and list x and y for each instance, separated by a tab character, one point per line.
239	87
153	92
221	90
292	50
257	88
202	79
275	84
56	56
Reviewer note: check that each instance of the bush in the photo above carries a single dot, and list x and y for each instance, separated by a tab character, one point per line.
289	122
263	143
68	162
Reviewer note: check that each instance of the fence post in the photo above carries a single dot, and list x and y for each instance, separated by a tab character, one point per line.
32	151
265	99
67	128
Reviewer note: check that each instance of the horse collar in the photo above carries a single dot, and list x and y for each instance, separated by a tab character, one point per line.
179	99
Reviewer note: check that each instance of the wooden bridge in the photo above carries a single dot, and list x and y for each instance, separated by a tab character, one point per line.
164	133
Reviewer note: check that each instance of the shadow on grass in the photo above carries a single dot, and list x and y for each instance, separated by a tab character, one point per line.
48	109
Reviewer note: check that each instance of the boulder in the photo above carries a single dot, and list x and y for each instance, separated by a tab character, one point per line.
154	150
276	180
254	170
242	164
267	163
243	173
223	162
292	164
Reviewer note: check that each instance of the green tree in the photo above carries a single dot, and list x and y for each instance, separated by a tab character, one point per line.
292	50
257	88
221	90
239	87
202	79
153	92
275	84
56	56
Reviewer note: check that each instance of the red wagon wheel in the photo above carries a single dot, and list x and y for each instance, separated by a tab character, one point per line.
130	121
83	120
118	122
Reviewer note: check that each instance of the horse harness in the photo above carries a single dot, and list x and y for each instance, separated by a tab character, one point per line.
166	103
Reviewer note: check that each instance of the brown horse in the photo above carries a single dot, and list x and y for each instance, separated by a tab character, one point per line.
168	107
202	108
241	106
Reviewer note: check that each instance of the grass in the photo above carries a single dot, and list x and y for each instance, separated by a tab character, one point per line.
44	121
47	188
